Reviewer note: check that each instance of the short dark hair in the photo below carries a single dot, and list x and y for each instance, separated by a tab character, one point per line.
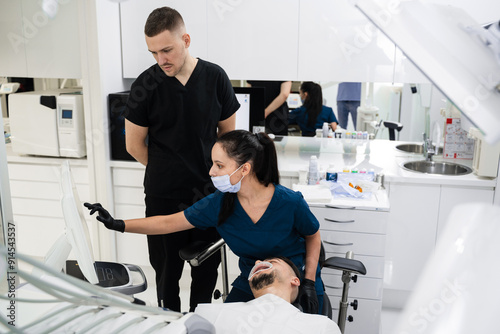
161	19
292	265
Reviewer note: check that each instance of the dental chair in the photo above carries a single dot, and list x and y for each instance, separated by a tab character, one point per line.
197	252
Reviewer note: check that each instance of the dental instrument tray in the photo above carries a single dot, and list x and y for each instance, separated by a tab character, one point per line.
114	276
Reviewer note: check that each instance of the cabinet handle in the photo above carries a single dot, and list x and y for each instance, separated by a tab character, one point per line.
340	221
333	287
338	244
340	207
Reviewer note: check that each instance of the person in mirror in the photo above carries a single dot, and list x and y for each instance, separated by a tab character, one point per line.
348	101
180	105
312	114
275	284
276	111
255	215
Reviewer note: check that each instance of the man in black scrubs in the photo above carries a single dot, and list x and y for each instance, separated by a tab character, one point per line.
276	112
180	104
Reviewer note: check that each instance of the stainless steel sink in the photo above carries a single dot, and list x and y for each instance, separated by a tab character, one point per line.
414	148
433	167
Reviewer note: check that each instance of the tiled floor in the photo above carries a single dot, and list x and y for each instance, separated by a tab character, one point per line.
388	322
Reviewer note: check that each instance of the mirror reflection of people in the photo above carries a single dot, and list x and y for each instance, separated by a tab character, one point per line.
276	111
312	114
180	104
255	215
348	101
275	286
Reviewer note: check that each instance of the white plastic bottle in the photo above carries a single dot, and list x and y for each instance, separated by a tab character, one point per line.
325	130
313	170
331	173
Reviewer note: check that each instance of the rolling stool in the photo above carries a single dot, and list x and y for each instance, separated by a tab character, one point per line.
392	126
198	251
348	266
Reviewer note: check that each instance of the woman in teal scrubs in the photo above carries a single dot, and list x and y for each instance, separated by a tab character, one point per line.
253	213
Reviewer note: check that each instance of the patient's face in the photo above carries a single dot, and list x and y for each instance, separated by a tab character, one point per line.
266	277
262	280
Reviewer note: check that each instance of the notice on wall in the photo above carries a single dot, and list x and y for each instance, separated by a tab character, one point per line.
457	145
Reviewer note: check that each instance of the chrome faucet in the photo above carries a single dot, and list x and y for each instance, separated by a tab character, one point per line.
429	150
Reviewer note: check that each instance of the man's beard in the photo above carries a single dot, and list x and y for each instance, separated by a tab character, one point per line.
263	280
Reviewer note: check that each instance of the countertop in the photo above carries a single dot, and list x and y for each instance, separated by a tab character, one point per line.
32	159
294	153
380	155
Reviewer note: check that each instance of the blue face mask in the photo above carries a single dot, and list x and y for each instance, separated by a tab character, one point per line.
223	183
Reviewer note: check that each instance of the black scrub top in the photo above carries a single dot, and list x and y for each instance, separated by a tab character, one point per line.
182	122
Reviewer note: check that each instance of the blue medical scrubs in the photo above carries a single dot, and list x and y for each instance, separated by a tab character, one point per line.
279	232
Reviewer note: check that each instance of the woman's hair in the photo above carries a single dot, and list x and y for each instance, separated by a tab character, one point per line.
256	149
313	102
161	19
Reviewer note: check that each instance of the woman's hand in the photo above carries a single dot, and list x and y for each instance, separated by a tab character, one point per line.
308	297
105	218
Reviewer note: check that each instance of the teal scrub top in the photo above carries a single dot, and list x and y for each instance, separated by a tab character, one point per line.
279	232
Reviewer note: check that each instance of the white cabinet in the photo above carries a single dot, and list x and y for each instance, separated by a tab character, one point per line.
336	42
42	41
411	233
128	194
254	39
418	215
269	40
452	196
36	202
363	233
12	50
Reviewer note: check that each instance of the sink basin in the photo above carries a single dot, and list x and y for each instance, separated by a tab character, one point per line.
414	148
432	167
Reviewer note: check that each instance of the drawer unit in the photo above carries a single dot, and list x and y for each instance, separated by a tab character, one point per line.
364	233
351	220
358	243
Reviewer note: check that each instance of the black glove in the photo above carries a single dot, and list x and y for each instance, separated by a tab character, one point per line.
308	297
105	217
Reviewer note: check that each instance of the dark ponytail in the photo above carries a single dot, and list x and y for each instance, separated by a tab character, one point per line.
313	102
256	149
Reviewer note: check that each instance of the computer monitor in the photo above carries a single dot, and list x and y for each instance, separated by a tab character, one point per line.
250	115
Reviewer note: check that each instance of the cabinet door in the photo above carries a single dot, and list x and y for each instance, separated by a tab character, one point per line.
454	196
254	39
12	42
411	233
52	39
366	319
336	42
133	14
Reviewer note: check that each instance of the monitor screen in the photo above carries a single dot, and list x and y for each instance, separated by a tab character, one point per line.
252	105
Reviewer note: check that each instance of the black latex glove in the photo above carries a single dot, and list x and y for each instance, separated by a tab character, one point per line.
105	218
308	297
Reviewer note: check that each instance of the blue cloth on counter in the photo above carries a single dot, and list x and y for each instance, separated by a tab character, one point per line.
299	116
279	232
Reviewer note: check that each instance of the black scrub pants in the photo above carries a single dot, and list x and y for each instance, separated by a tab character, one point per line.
168	266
